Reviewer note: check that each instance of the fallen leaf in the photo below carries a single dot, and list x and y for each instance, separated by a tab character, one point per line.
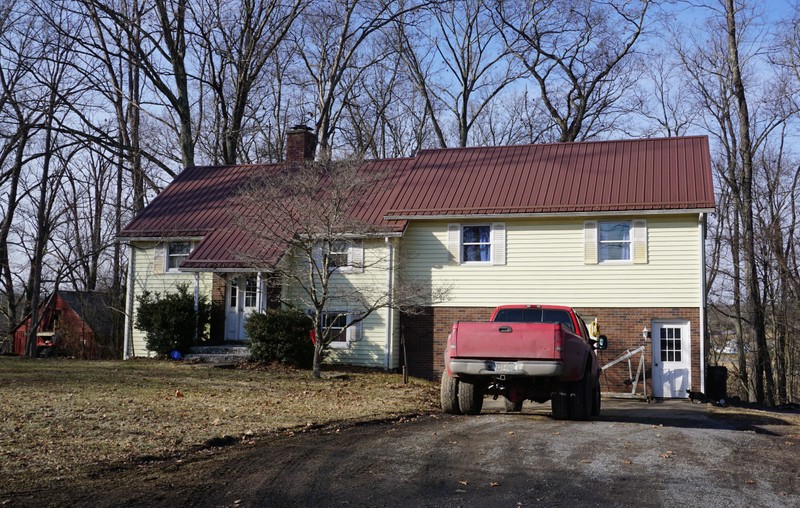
215	422
178	394
627	462
463	482
511	433
667	454
750	482
586	461
494	484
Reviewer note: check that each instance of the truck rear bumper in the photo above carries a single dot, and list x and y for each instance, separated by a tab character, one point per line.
531	368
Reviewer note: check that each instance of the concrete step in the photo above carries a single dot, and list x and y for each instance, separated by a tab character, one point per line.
220	350
218	354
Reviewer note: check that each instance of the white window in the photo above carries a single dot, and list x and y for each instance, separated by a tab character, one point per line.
176	253
477	243
343	256
342	329
614	241
250	292
339	255
336	323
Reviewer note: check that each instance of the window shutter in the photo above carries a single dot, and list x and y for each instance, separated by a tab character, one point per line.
498	243
640	242
356	256
590	242
454	242
354	331
159	258
316	257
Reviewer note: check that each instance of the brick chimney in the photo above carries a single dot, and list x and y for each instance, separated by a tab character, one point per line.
301	144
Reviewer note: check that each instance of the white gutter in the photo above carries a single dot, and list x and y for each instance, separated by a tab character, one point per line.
602	213
702	235
126	344
389	277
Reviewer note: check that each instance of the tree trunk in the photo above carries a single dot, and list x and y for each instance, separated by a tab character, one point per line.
754	302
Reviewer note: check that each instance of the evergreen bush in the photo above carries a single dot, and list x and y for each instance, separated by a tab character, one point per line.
169	321
280	336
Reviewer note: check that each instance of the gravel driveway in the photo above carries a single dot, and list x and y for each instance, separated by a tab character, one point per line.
669	453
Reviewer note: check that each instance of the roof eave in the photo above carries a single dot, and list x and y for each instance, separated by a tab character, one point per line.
161	238
548	215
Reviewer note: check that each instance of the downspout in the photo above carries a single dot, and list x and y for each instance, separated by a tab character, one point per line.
126	343
702	233
389	280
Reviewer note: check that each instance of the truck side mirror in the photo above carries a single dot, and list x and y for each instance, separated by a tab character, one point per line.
602	342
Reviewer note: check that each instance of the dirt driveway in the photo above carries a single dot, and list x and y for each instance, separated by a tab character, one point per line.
663	454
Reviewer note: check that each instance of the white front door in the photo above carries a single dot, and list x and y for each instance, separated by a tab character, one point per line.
241	301
672	363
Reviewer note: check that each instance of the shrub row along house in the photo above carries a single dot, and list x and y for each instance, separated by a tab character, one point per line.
614	229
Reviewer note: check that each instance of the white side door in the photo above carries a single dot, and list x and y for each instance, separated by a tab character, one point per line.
672	363
241	301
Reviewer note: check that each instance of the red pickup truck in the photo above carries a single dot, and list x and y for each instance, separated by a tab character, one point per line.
526	352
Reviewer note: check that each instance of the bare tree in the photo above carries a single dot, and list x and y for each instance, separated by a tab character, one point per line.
330	42
300	238
746	112
237	39
18	125
579	55
664	98
461	64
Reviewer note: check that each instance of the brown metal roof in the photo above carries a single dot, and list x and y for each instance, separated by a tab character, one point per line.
589	177
599	176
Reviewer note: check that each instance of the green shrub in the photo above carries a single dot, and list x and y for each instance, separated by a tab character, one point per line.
280	336
169	321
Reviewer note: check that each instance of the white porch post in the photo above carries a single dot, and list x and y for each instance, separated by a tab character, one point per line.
260	297
196	302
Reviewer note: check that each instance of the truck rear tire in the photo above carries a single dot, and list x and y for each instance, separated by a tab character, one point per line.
513	407
582	399
559	400
596	404
470	397
449	394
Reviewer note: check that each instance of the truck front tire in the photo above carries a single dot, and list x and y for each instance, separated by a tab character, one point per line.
449	394
470	397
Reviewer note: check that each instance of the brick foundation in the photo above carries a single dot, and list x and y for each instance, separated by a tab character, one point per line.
425	337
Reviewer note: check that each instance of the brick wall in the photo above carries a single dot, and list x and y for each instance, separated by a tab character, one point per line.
301	144
623	327
425	336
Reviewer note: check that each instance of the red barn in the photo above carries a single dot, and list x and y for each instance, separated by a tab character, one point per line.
75	323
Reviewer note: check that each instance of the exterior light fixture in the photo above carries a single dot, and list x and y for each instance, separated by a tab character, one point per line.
645	333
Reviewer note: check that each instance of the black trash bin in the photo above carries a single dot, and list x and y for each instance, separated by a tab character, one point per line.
717	383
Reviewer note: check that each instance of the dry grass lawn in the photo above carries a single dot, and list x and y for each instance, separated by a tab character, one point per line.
67	418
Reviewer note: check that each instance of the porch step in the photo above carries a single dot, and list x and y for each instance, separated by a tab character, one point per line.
218	354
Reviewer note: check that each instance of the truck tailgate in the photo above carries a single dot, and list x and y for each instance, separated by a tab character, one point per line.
511	341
